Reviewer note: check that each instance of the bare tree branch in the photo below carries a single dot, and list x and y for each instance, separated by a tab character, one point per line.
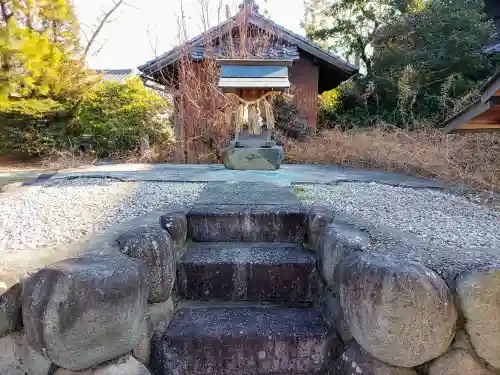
219	10
102	22
130	5
101	46
204	7
155	47
6	14
84	34
181	23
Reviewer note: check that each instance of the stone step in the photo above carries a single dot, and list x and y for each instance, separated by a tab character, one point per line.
247	271
242	340
247	223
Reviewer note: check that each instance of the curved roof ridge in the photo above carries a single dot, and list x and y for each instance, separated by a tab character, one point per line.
258	20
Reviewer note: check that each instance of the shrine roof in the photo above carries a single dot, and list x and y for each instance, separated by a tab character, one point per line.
288	50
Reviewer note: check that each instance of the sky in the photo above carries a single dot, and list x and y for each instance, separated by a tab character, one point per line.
144	26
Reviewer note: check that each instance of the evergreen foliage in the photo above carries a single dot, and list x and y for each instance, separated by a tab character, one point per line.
49	101
116	116
39	50
424	59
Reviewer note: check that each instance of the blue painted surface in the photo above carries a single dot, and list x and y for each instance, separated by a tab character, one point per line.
233	71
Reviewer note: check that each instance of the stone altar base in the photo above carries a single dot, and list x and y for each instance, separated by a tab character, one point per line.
253	158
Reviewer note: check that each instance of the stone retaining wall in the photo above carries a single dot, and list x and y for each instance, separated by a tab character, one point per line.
394	315
94	315
398	316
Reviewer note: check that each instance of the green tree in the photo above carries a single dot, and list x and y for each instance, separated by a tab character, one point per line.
353	25
445	38
39	49
424	59
433	56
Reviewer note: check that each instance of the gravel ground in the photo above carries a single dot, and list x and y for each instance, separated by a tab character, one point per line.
439	220
61	213
44	216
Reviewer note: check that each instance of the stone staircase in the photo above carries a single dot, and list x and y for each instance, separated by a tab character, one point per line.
240	271
239	298
247	289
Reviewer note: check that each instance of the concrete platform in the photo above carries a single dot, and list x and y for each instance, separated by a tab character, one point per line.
287	174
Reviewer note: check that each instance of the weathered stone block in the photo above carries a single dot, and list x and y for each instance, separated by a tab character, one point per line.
154	246
478	294
247	271
236	223
355	361
319	218
85	311
458	362
331	310
253	158
126	365
157	317
142	351
461	341
337	242
175	223
10	309
242	340
400	312
18	358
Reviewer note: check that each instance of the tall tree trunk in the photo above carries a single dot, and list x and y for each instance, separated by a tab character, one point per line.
368	63
366	59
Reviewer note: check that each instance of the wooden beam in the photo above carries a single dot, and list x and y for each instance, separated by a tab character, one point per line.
255	62
479	125
491	88
473	111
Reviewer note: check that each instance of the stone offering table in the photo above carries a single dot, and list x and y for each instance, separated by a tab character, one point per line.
253	152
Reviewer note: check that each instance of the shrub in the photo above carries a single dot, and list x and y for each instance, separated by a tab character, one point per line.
116	116
329	104
288	121
34	127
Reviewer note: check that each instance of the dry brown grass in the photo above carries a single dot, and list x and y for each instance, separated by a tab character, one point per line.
67	159
173	153
472	159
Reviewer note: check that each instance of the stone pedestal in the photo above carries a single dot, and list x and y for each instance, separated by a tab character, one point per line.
245	139
253	158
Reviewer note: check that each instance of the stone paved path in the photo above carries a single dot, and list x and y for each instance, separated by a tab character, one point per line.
296	174
247	193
